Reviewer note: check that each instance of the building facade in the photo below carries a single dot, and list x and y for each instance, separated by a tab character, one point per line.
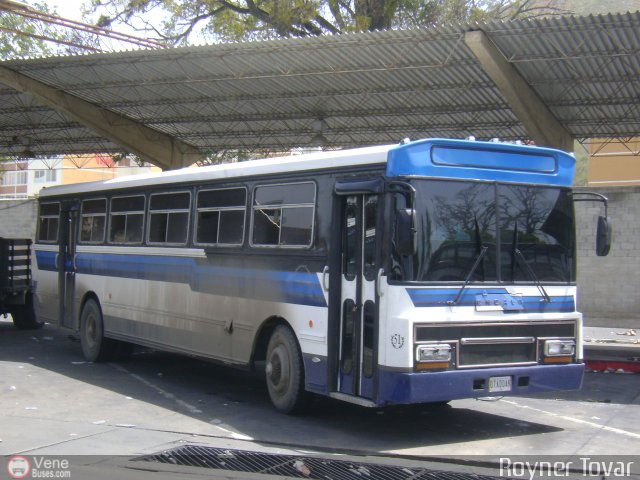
21	179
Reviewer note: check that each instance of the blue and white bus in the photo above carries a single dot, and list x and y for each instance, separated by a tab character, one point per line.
422	272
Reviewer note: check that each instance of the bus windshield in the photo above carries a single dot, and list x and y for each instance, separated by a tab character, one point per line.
520	225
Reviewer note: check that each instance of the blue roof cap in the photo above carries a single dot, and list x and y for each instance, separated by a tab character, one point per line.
472	160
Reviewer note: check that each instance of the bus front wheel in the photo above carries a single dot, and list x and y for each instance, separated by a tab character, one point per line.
285	371
95	347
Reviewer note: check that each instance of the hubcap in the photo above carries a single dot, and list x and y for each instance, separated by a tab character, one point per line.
277	369
91	330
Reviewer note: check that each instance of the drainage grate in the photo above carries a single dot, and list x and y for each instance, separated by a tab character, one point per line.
297	466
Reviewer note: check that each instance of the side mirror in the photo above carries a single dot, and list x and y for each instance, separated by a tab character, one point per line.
406	231
603	237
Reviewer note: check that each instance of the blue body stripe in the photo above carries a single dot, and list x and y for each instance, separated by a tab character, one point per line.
302	288
46	261
500	162
439	297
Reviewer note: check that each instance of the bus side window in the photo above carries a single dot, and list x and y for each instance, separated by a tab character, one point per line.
126	220
48	222
283	215
221	216
93	216
169	218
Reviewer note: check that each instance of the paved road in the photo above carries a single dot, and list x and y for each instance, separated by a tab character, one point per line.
55	403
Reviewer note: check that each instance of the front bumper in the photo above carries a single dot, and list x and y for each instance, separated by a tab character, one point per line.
424	387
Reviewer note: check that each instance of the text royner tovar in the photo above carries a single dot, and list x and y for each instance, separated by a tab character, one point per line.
550	469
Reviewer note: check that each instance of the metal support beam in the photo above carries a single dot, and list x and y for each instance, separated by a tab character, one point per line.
150	145
543	127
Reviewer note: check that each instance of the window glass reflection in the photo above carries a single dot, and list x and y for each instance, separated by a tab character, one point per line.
456	219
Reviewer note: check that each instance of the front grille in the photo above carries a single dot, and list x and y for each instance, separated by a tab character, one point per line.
479	345
496	354
428	333
297	466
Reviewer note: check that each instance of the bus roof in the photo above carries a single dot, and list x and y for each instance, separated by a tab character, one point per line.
291	163
435	158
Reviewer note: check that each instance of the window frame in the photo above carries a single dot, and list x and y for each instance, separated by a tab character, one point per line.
147	226
221	209
20	178
144	210
106	215
48	176
281	207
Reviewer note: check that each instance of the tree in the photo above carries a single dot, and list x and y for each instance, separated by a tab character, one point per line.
265	19
20	37
25	34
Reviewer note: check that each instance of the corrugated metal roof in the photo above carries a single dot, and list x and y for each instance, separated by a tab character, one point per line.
370	88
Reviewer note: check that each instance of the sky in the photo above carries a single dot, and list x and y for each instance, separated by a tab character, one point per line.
70	9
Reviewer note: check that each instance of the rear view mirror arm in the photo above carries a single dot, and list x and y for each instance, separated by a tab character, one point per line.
592	197
603	232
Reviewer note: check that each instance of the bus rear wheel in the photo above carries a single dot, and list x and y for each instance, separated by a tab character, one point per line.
285	371
95	347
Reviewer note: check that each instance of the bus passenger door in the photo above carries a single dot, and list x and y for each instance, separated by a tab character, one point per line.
66	264
359	309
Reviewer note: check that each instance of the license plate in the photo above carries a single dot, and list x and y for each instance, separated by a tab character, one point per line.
499	384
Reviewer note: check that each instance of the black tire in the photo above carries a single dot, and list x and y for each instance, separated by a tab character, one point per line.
95	347
285	372
24	316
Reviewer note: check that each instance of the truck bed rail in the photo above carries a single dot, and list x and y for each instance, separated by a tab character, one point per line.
15	264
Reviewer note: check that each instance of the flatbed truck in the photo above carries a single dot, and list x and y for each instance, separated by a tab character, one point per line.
16	283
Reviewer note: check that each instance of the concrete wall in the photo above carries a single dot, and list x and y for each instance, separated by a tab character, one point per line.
609	287
18	219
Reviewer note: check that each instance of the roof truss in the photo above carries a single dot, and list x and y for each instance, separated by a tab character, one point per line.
579	78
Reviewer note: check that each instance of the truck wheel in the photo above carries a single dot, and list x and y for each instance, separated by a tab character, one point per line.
95	347
285	371
24	316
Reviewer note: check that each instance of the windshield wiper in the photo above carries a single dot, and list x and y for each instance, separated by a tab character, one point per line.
469	275
532	274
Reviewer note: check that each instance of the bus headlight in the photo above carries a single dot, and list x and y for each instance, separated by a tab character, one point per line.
433	353
559	348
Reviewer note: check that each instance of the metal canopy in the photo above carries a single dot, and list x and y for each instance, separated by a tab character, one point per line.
340	91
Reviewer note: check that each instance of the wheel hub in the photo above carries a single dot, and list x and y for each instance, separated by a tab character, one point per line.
91	330
277	369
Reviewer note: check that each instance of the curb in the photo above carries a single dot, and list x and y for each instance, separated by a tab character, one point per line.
612	357
617	366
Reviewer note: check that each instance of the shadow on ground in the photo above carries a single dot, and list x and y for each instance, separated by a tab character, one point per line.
219	395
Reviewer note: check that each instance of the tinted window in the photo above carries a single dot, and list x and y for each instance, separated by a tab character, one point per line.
169	218
283	215
93	218
370	219
350	237
538	223
221	216
127	204
48	222
456	219
126	220
520	226
298	193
